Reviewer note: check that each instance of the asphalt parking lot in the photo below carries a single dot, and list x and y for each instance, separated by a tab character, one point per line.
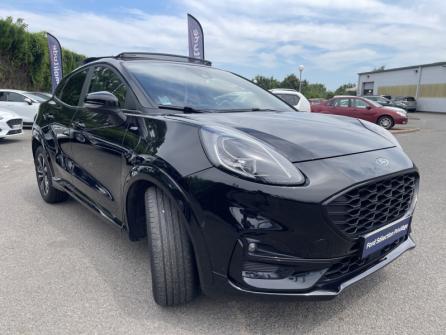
64	271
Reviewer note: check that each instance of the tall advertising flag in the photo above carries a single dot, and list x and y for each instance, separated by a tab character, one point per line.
196	38
55	52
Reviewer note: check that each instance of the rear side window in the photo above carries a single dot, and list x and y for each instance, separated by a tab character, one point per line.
73	88
105	79
341	102
291	99
3	96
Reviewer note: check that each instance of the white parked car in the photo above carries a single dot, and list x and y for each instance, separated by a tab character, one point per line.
25	104
293	98
10	124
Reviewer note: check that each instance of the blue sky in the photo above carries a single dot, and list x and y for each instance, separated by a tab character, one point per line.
333	39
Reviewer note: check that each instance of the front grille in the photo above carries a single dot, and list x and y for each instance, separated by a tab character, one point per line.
14	122
371	206
14	131
350	265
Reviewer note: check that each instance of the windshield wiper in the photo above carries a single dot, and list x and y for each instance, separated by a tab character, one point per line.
184	109
254	109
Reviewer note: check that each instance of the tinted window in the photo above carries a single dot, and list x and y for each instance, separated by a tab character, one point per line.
358	103
14	97
104	79
58	91
410	99
292	99
73	88
344	102
3	96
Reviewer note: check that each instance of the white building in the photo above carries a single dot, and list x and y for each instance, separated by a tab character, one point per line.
426	83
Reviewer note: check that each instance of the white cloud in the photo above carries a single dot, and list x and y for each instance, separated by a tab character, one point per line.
266	36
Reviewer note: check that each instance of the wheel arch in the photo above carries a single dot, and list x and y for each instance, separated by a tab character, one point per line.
139	179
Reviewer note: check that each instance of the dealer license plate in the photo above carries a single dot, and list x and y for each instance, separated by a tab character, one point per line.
384	236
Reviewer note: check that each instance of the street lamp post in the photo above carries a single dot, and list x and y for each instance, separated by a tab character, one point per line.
301	68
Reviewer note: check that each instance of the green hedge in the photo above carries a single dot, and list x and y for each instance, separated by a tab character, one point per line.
25	55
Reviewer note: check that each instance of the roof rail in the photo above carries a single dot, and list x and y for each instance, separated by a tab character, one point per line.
92	59
162	56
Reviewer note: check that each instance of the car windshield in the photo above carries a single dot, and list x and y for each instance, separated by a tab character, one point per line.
36	97
200	87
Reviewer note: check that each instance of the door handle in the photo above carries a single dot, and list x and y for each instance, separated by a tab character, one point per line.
78	125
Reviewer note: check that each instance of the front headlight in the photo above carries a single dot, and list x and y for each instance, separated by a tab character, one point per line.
244	155
381	131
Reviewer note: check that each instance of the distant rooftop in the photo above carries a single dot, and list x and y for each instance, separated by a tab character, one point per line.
405	68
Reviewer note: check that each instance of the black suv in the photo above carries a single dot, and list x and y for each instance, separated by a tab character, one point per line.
232	188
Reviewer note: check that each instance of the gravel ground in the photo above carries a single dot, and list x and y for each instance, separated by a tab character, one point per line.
64	271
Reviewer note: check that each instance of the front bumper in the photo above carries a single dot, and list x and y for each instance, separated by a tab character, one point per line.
6	130
295	242
333	289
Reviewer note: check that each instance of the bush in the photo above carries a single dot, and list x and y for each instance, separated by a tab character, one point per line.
24	59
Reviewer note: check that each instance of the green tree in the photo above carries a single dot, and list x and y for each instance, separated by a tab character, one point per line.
342	90
265	82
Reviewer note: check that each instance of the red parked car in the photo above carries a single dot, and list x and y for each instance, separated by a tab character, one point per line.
362	108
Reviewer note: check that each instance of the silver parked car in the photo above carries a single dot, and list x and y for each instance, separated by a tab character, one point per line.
409	102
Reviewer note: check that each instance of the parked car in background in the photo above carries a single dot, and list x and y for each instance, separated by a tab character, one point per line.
361	108
410	103
10	124
43	96
387	97
293	98
314	101
22	103
385	102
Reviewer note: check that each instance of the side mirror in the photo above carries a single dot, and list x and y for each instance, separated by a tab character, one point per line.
28	100
369	107
102	99
104	102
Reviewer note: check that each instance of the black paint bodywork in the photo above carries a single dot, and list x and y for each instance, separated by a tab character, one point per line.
107	167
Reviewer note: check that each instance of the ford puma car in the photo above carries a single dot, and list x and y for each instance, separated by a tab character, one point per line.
233	190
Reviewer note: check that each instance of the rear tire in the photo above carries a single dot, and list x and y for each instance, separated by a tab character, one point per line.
174	275
386	122
44	179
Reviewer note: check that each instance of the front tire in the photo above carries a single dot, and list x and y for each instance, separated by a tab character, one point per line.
386	122
44	179
174	275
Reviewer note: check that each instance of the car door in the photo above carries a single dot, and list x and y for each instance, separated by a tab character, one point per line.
22	106
341	106
363	110
55	119
97	149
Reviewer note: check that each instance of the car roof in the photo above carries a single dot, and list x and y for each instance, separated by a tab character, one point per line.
11	90
347	96
128	56
285	91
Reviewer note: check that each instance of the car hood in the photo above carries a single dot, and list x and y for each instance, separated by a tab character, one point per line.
396	109
299	136
7	115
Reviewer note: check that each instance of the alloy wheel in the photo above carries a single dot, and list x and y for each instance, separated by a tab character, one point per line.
42	174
